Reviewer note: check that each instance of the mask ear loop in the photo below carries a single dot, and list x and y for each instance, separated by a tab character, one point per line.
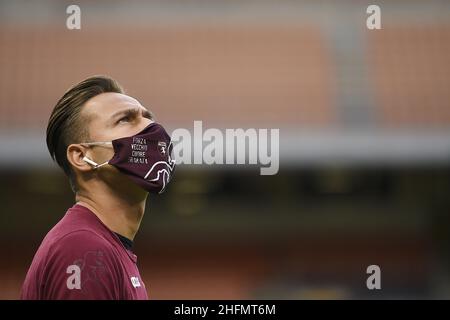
94	164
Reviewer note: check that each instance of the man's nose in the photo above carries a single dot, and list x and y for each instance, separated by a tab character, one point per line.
144	122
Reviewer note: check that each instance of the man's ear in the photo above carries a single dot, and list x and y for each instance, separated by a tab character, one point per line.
75	155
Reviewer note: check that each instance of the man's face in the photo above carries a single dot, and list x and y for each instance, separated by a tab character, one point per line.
114	115
111	116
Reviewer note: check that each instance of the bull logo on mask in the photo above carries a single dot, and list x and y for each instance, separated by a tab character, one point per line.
162	147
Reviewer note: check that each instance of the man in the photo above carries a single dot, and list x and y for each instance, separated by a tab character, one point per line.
113	153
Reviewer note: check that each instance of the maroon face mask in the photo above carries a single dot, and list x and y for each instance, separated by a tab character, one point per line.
144	157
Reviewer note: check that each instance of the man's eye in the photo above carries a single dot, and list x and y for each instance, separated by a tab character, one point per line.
124	119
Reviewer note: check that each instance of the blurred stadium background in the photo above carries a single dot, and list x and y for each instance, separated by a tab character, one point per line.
364	120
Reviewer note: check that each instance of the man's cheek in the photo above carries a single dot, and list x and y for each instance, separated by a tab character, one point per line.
105	154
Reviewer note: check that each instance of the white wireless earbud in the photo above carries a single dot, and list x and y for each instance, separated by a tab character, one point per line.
94	164
87	160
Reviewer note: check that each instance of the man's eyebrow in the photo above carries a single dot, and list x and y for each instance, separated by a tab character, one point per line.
127	111
148	114
132	112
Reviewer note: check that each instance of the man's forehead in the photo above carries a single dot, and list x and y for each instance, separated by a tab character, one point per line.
108	103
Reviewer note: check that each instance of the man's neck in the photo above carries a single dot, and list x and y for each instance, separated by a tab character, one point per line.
119	214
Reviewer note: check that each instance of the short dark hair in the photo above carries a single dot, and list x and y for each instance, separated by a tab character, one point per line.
65	125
